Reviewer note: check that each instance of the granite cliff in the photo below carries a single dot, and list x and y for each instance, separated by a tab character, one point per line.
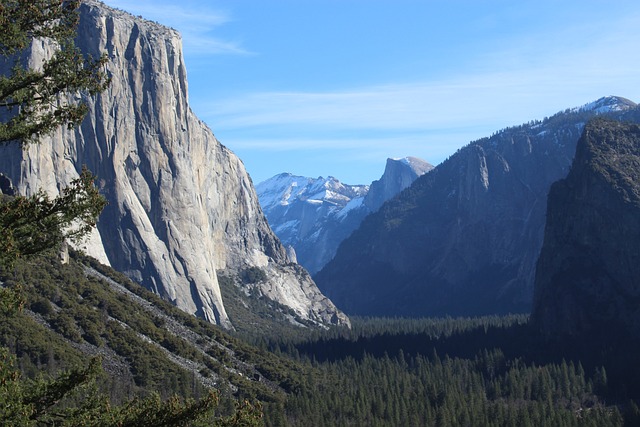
182	208
587	274
464	238
398	175
313	216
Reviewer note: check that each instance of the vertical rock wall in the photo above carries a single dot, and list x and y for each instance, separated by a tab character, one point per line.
587	274
181	205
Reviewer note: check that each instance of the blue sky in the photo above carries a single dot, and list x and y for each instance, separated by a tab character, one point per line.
334	87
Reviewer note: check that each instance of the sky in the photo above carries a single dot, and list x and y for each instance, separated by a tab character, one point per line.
335	87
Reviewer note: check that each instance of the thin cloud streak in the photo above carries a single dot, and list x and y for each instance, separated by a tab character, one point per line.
201	44
169	14
475	100
329	155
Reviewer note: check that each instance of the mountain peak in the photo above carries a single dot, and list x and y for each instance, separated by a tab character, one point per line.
416	164
607	104
315	215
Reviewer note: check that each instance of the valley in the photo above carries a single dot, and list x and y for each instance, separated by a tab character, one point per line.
496	288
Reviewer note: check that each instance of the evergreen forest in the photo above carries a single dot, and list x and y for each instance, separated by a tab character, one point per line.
489	371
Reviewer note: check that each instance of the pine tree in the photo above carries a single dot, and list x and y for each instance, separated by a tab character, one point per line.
35	224
42	402
35	99
33	103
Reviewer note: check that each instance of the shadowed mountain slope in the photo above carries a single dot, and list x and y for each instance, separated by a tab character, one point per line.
464	239
587	274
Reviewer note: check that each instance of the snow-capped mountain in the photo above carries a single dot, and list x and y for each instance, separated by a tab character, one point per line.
313	215
285	189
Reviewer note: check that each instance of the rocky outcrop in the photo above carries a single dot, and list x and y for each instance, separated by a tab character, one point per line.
314	216
587	275
464	239
181	205
398	175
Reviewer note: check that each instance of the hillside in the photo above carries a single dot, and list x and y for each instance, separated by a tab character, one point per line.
464	239
83	309
486	371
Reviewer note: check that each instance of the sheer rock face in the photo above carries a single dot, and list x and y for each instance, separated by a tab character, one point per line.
464	238
588	270
398	175
181	205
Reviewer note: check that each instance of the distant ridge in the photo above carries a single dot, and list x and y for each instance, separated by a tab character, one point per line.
464	239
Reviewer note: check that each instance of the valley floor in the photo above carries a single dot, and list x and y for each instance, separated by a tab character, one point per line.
491	371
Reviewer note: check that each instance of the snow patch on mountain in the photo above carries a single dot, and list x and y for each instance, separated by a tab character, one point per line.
284	189
353	204
607	104
286	226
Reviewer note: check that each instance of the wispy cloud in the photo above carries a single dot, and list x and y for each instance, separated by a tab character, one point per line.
465	100
196	21
200	17
526	79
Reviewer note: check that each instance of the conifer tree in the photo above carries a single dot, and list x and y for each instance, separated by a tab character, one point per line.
33	103
35	100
